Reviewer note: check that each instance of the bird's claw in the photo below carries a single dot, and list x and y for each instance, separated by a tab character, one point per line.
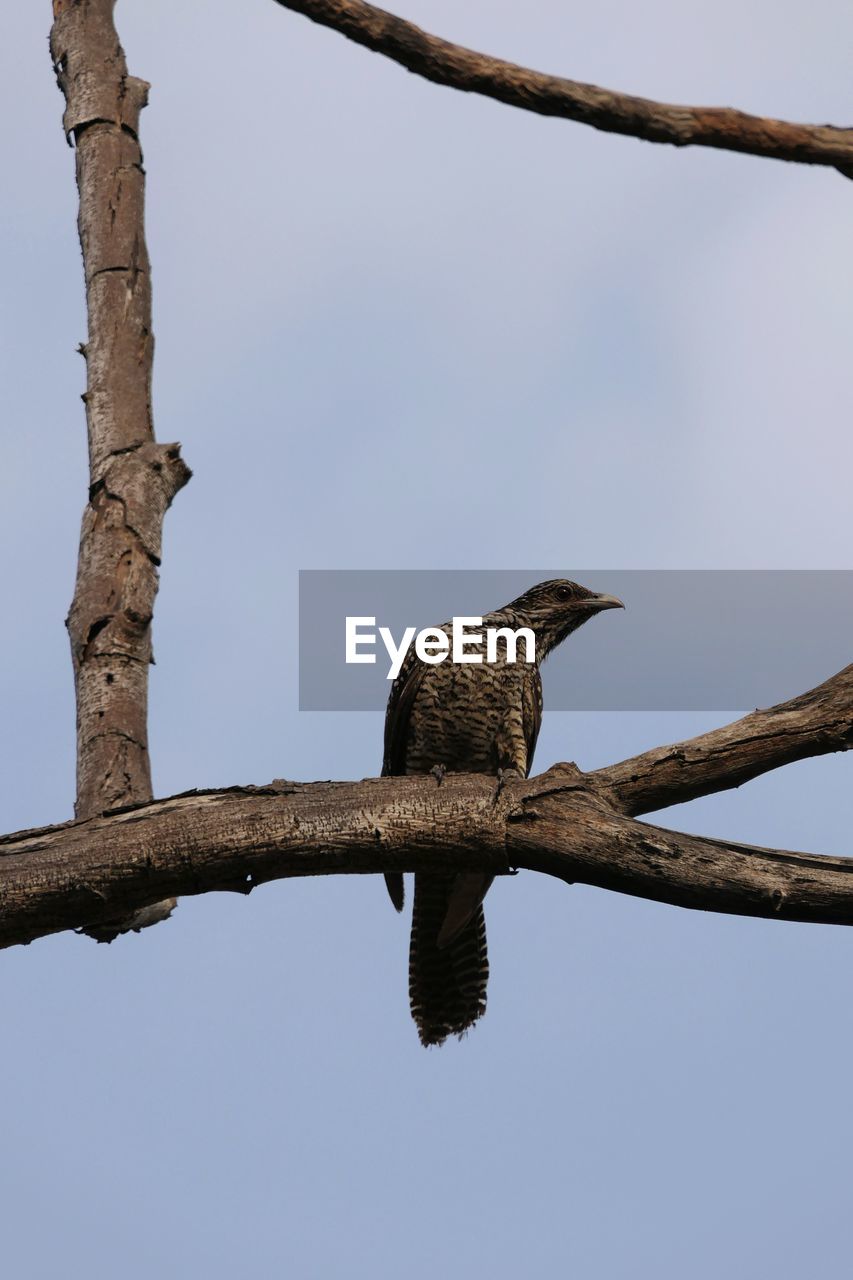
504	776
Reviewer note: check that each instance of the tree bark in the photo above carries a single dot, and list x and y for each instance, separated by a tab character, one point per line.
680	126
120	864
813	724
559	823
132	479
575	826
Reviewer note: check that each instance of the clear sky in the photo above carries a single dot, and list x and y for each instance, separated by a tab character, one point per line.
397	327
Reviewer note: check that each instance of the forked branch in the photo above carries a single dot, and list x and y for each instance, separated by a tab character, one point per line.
565	823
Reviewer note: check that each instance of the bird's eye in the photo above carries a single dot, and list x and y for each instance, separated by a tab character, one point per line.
564	593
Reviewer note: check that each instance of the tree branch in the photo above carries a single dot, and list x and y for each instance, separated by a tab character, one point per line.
558	823
83	872
813	724
132	479
566	830
104	866
681	126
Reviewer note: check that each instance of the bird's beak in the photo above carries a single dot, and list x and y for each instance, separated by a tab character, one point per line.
602	602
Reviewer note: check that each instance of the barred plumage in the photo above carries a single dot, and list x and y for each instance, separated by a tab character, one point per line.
472	718
447	985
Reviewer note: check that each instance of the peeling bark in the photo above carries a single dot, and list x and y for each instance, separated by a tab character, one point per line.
132	479
813	724
681	126
577	827
561	823
113	867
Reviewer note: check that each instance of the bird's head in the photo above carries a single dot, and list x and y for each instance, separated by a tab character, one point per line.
554	609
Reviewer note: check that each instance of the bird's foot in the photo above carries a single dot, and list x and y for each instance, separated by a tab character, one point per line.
506	775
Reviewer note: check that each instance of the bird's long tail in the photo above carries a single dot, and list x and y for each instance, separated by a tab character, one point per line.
447	983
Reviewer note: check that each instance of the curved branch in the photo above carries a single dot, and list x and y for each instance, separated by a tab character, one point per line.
581	839
813	724
681	126
83	873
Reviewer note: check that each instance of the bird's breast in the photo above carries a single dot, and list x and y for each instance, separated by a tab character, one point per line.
468	718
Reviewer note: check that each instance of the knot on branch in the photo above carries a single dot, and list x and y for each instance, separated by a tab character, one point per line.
564	776
133	97
120	550
563	784
83	38
144	480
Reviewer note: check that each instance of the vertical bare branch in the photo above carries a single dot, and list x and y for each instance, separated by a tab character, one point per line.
132	479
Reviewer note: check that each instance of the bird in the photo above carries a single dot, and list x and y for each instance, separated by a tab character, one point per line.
471	717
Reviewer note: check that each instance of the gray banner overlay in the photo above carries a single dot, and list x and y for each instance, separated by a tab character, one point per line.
688	640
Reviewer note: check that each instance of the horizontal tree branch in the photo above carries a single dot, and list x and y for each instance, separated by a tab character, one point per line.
83	872
813	724
559	823
459	68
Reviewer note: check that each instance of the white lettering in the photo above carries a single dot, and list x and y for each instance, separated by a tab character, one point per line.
396	655
354	639
461	638
432	646
511	639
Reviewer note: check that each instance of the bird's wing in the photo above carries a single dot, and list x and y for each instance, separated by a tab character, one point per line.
400	700
404	690
466	896
531	713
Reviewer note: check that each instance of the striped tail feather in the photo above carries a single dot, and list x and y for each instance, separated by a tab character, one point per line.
447	984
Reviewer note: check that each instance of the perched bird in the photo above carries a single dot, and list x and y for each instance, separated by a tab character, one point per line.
470	718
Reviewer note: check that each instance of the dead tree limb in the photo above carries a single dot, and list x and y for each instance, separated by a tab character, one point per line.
132	479
814	724
125	853
559	823
564	823
681	126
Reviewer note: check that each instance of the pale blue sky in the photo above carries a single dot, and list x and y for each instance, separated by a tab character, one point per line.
402	327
